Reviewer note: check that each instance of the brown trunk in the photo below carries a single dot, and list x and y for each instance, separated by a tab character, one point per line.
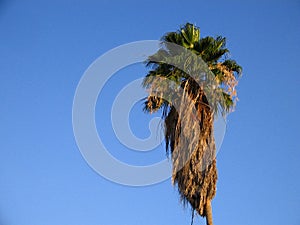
208	210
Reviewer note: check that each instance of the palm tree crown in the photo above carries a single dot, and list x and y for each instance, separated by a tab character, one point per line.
214	53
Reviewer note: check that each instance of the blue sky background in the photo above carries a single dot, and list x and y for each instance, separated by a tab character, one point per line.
45	47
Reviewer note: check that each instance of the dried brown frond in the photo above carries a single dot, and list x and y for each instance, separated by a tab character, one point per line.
189	135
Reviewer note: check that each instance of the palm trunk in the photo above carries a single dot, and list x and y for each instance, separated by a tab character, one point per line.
208	210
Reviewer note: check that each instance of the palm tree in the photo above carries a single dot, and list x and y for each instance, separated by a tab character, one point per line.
189	104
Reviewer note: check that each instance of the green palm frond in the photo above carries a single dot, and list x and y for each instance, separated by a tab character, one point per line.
233	66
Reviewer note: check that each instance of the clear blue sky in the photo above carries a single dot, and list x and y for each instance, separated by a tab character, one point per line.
45	47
